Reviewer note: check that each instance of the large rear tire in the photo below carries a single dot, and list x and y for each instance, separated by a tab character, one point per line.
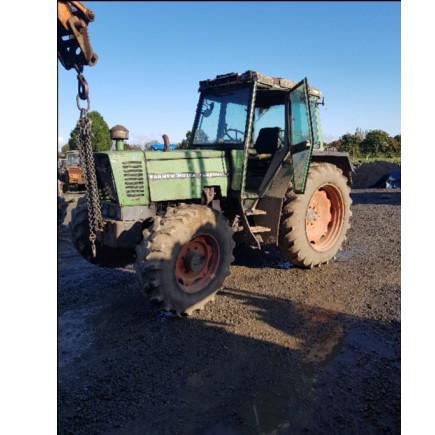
105	255
314	224
185	257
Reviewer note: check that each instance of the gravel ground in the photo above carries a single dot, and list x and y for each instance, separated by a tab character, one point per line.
280	351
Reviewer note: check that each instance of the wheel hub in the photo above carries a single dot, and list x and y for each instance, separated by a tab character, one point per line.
193	262
311	215
324	217
197	263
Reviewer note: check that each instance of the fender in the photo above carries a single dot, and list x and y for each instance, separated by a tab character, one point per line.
272	200
337	158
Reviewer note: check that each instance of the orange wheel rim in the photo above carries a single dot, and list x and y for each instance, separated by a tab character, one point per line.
324	218
197	263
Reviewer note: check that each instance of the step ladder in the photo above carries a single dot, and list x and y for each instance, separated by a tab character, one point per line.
254	231
255	212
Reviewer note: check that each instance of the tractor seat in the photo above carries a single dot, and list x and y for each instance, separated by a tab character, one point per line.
266	144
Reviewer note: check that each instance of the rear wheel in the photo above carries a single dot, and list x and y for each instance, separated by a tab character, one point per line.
184	259
314	225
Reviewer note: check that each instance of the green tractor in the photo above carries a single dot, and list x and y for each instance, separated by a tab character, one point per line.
255	173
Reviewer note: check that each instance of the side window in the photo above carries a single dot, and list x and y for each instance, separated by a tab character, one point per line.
301	141
269	117
300	127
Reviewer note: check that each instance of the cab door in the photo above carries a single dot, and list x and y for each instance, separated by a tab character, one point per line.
301	134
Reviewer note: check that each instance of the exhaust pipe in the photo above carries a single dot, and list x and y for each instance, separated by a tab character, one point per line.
165	142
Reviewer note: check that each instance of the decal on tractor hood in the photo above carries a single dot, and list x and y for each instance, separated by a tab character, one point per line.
183	175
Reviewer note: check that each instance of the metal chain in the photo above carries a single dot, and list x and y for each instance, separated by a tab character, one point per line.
84	145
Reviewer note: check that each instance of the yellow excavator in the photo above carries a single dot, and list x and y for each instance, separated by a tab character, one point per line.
74	50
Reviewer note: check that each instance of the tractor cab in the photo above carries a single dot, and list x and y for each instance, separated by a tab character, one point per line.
267	120
72	158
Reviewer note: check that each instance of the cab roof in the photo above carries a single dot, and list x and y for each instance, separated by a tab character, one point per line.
264	81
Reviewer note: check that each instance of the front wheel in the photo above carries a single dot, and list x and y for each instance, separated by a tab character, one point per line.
184	259
314	225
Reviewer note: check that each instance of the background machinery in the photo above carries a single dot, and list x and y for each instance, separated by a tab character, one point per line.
72	174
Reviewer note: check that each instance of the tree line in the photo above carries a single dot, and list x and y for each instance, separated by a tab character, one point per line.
372	143
361	144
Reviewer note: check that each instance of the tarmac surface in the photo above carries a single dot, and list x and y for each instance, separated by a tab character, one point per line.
281	350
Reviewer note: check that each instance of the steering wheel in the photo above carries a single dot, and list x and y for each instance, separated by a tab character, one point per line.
236	131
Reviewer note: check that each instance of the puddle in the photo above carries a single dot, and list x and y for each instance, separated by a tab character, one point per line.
337	395
369	341
278	409
74	335
348	254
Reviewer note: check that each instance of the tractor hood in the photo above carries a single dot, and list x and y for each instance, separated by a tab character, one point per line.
133	178
183	174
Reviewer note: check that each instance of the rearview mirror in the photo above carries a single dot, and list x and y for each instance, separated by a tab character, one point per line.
208	111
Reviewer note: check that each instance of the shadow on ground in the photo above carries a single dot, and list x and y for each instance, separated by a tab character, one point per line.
269	257
376	197
142	373
249	363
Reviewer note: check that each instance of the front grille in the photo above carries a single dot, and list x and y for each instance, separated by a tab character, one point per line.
106	184
133	178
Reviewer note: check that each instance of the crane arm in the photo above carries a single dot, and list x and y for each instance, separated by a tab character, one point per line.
74	49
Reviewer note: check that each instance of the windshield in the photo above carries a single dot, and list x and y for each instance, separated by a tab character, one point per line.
222	117
72	160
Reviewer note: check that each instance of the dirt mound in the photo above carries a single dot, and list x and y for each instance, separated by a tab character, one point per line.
367	174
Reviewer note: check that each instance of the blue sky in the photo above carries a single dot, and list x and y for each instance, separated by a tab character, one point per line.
152	55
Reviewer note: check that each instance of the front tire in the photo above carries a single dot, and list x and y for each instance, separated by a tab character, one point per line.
184	259
314	225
